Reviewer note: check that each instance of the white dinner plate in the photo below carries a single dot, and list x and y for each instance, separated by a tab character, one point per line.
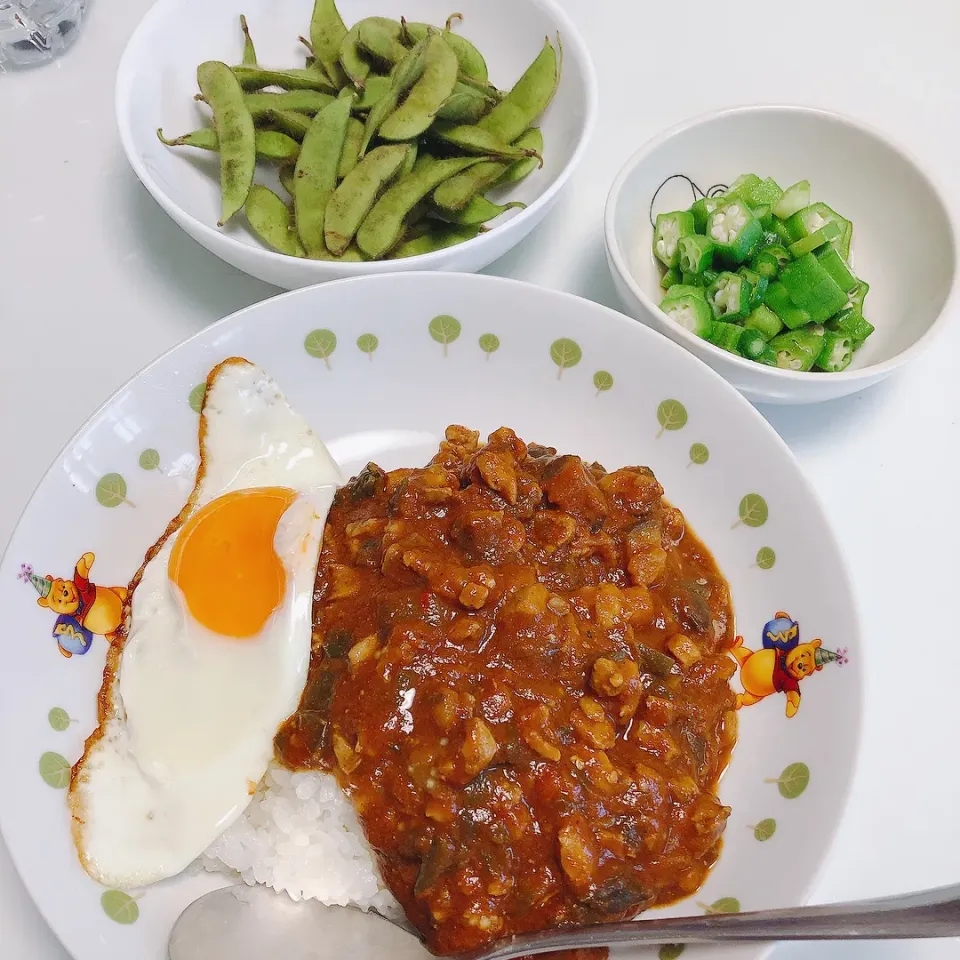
380	366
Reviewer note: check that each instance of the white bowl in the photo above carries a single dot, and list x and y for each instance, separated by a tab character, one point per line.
156	82
904	244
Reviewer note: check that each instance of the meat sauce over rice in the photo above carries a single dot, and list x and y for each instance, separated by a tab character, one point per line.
520	678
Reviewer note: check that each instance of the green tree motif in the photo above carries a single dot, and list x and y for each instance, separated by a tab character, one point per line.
149	459
723	905
445	329
670	951
54	770
699	454
766	558
59	719
489	343
602	380
119	906
320	344
793	781
671	415
196	397
765	829
565	353
753	511
111	491
367	343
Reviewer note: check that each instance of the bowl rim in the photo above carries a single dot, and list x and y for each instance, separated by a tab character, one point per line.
691	341
130	64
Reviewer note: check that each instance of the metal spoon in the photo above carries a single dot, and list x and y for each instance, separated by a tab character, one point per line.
254	923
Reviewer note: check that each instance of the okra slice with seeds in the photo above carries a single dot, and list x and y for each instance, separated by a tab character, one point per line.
815	216
735	231
758	285
702	209
729	296
836	353
797	349
751	344
689	311
812	289
696	253
668	230
770	261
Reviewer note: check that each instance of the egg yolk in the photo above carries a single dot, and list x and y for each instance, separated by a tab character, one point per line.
225	564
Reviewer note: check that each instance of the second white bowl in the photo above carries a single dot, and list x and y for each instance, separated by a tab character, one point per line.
156	82
903	241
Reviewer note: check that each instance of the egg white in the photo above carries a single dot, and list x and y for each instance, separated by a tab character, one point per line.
187	716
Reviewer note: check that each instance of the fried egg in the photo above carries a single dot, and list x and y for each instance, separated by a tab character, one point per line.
216	644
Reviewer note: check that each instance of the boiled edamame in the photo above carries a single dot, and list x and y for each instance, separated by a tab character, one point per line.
352	134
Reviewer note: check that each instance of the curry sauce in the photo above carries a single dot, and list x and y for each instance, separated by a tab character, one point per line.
520	677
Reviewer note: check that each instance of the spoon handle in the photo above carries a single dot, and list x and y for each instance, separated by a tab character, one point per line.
930	913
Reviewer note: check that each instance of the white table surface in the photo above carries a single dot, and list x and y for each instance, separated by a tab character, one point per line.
95	281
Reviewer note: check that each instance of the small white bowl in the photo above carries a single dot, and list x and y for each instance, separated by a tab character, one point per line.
156	82
904	244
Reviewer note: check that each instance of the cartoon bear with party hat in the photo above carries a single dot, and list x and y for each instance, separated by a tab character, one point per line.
83	609
781	664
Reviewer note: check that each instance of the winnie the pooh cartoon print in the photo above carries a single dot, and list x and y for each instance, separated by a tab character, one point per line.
781	664
83	609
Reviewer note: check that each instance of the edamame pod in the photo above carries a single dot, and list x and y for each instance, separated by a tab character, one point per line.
464	105
532	139
351	147
481	210
383	226
287	177
290	122
302	101
316	174
459	190
469	59
474	139
256	78
271	221
235	134
327	31
426	96
404	75
529	97
374	88
356	195
411	160
380	38
249	51
439	237
354	64
271	144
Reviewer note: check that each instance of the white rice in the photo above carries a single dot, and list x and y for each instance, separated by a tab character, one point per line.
301	836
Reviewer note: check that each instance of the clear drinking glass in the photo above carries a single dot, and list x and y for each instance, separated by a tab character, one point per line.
35	31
